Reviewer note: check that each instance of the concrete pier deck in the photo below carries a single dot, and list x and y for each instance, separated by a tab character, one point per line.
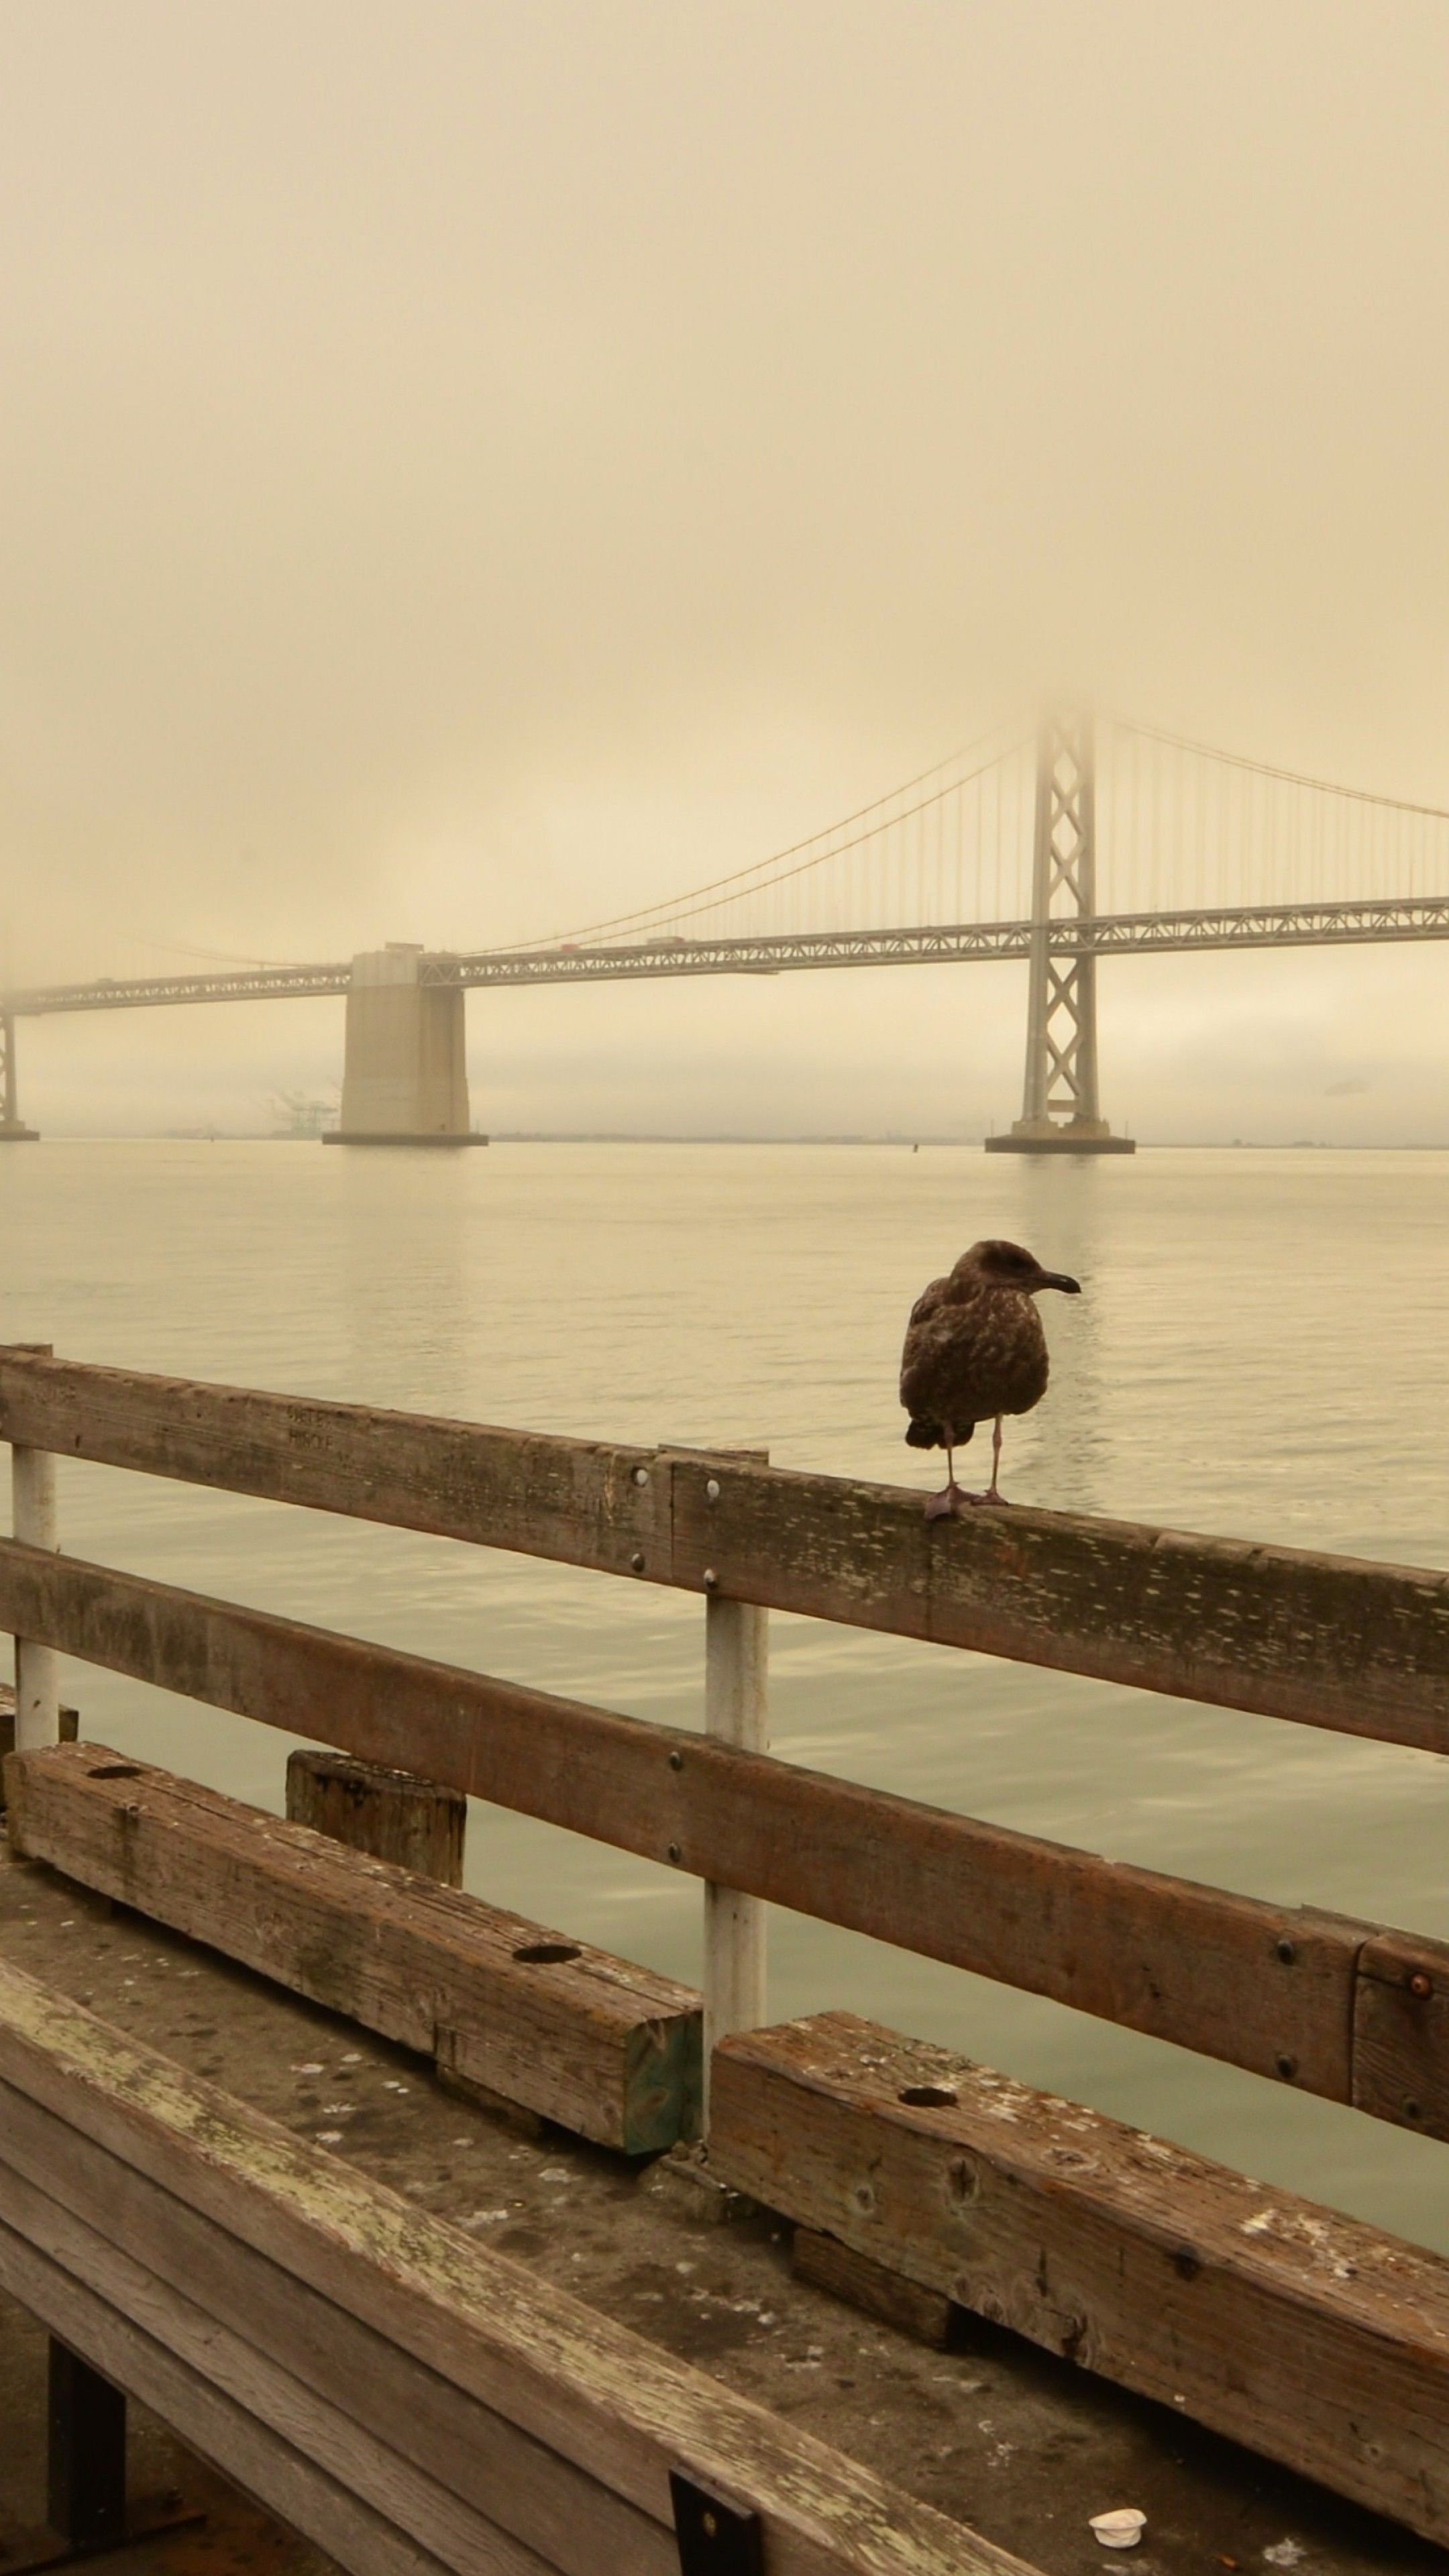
995	2434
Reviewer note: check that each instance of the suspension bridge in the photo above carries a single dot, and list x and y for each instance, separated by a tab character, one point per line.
1056	842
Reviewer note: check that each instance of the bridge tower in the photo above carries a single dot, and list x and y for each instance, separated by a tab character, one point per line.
1059	1109
404	1079
12	1129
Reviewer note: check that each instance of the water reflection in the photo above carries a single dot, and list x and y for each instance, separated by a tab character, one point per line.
1063	1220
407	1297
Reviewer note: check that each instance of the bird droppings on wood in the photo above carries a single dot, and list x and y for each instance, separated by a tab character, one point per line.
1059	2439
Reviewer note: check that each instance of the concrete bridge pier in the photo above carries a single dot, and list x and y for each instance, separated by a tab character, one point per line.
405	1081
13	1131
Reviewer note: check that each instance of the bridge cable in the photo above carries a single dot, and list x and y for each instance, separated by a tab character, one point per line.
1266	769
672	908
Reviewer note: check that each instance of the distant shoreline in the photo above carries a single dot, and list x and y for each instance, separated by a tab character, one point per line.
887	1144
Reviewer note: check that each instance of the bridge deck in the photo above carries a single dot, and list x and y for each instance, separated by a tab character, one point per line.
1366	921
1019	2447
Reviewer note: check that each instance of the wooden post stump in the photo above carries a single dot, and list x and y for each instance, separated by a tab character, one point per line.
414	1823
69	1730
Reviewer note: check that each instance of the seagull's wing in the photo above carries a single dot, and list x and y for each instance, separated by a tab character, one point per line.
936	1363
938	1294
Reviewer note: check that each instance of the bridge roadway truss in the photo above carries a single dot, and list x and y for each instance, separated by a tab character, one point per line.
405	1005
1124	934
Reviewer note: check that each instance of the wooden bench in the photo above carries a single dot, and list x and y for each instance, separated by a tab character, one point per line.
405	2398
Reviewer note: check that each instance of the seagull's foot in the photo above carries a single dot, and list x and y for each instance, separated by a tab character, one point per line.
947	1505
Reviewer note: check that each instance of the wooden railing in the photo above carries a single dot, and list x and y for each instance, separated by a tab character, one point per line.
1327	1641
1351	2010
1343	2008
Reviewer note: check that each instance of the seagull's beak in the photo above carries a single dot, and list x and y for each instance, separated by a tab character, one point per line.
1059	1279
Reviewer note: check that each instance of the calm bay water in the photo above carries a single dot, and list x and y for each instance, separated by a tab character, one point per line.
1260	1351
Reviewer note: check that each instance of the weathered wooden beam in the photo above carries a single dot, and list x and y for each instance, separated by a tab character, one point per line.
617	2409
373	1808
285	2372
1262	1986
605	2048
1308	2336
1266	1987
873	2287
575	1500
352	2375
1327	1641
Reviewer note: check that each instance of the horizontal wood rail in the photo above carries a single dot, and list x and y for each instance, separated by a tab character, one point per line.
1307	2335
394	2390
1326	1641
1272	1988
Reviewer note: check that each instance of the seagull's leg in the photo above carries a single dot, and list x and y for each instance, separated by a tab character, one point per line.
944	1506
993	1493
993	1490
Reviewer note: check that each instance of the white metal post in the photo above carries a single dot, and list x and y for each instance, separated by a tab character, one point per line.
736	1712
37	1668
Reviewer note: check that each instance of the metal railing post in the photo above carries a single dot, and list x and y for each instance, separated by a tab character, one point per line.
9	1107
86	2463
37	1667
736	1712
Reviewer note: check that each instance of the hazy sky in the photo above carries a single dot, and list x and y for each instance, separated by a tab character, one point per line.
469	467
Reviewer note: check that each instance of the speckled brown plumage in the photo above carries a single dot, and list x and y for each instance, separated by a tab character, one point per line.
975	1351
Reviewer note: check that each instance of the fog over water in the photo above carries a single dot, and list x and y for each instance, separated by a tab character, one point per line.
471	467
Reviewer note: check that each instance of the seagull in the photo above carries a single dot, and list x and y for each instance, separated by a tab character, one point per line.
975	1350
